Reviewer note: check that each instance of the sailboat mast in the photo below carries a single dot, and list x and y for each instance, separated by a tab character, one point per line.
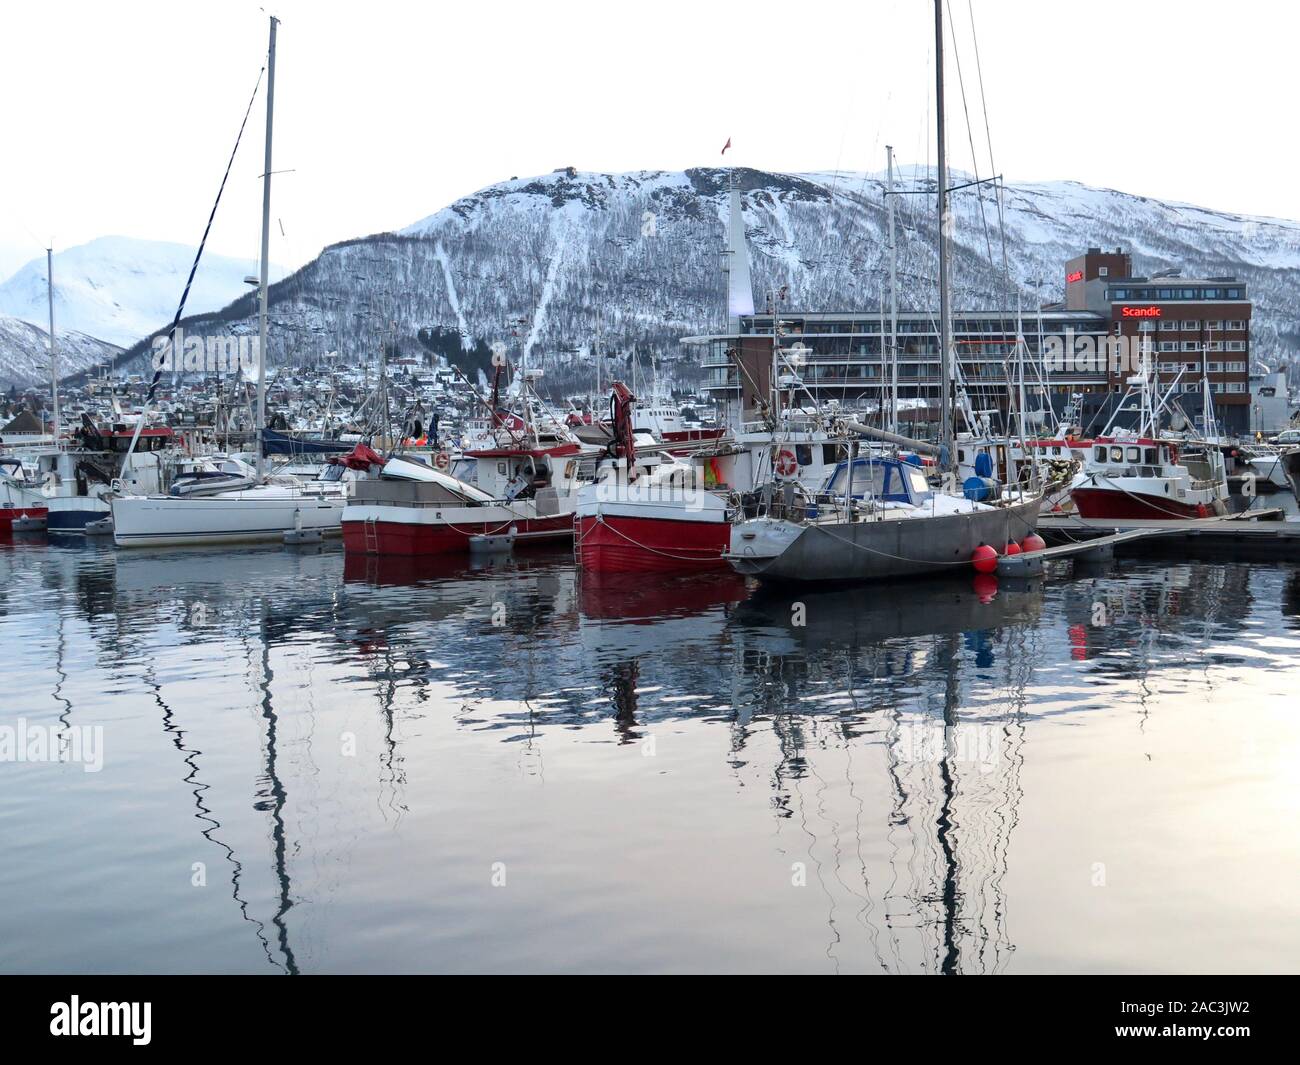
266	249
945	324
54	358
893	297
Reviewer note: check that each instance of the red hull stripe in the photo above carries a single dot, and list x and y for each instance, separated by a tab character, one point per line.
1102	503
9	515
400	538
617	544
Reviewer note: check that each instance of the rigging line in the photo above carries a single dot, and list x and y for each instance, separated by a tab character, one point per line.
198	254
970	136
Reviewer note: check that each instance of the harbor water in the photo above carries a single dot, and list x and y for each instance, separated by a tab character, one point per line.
276	760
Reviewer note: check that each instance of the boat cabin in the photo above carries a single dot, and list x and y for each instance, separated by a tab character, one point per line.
887	479
1133	458
511	473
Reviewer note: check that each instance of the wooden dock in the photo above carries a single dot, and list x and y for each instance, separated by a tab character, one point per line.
1092	549
1250	535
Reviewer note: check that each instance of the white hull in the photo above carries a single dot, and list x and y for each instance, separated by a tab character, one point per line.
258	514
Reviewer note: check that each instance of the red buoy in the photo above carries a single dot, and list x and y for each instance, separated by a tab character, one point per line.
1013	548
984	559
1033	542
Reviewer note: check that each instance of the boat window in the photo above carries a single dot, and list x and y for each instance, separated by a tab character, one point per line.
1117	454
830	454
1099	453
1135	454
918	481
803	454
1153	456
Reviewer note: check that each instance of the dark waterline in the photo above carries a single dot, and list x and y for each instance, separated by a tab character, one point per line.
314	763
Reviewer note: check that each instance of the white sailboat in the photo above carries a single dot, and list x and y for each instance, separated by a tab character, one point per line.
264	511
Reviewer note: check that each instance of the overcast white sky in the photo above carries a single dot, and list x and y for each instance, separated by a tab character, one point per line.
118	117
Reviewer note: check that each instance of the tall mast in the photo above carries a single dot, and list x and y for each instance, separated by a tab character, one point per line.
945	324
893	297
54	358
266	249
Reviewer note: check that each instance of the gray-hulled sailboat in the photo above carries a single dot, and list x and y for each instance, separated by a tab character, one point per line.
878	516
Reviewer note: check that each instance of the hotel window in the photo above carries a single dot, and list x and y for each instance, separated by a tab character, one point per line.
1234	294
1236	325
1191	323
1188	293
1215	367
1216	387
1169	367
1168	345
1191	345
1236	386
1210	294
1192	386
1166	293
1234	367
1216	345
1214	323
1236	345
1119	293
1169	325
1103	271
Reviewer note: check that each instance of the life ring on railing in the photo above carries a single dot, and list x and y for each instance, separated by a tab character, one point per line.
785	463
569	468
441	460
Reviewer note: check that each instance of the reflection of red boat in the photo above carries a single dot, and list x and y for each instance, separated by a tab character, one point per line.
398	570
630	597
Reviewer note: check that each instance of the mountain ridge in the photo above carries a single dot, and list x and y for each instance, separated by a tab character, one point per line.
554	263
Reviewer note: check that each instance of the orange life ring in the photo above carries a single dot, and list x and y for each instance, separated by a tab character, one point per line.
786	464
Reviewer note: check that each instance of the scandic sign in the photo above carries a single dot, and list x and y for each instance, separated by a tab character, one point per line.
1139	312
1074	276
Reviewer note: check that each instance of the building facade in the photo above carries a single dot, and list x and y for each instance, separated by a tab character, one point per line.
1080	353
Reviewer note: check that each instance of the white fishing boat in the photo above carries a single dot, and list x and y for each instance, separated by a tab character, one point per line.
1136	474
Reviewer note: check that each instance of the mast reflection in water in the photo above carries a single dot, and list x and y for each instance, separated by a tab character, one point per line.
317	764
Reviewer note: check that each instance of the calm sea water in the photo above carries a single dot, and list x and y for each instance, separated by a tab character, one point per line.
313	763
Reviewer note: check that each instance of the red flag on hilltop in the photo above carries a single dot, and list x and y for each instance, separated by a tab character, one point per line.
726	146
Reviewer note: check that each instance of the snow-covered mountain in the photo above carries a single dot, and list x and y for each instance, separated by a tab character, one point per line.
547	262
121	289
25	353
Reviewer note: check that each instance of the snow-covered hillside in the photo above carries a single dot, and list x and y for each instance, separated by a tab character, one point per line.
121	289
25	353
546	262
